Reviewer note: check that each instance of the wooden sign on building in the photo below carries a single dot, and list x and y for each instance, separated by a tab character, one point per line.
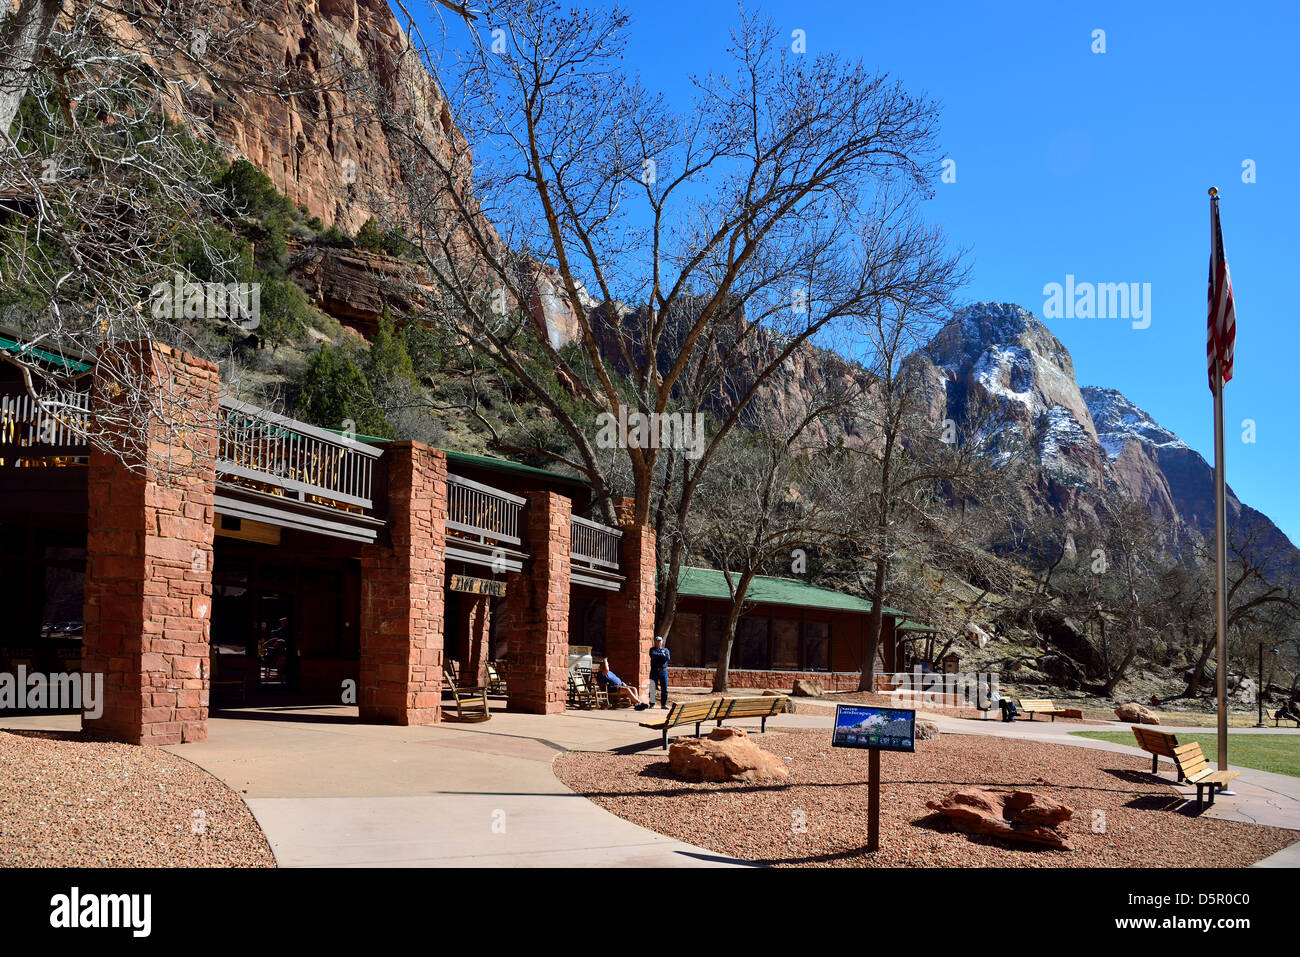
477	586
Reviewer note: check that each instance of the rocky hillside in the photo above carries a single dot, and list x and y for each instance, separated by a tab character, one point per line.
1172	479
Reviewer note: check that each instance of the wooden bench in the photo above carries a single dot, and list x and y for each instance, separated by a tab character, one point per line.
1159	744
1193	766
1033	706
1275	716
764	707
686	712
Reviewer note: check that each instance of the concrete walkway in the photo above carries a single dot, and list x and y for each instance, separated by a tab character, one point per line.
331	792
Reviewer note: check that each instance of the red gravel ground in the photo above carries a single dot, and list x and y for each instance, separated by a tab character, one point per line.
819	818
65	802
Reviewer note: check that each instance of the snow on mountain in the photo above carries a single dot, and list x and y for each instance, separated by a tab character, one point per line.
1092	441
1118	420
1003	353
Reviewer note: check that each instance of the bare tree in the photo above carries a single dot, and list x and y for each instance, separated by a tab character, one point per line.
689	254
107	163
772	494
919	472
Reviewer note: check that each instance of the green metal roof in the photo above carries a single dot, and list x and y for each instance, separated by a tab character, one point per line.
916	626
505	465
53	358
711	583
358	437
470	458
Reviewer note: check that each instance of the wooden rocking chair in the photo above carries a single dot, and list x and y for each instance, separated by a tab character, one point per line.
470	702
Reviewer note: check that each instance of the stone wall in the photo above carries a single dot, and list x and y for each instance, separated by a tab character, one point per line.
775	680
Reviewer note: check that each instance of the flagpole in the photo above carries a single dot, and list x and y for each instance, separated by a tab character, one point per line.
1220	544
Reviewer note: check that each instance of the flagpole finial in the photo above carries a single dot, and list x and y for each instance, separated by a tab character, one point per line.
1214	192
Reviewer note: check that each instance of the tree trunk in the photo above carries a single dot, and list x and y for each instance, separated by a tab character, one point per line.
1198	673
723	672
666	606
1122	669
22	36
874	620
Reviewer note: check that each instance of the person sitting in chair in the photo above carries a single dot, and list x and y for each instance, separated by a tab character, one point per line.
1290	710
615	686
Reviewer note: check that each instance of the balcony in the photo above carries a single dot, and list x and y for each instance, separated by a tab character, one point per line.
484	525
32	435
594	552
271	468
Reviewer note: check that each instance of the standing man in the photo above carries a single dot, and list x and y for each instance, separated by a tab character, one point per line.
659	658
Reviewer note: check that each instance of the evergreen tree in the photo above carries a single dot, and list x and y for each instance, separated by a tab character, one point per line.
334	390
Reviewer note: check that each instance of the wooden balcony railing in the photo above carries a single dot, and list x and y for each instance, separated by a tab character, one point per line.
29	430
593	544
258	446
483	513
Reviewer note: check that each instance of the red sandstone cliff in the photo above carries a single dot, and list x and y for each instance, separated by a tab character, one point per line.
325	148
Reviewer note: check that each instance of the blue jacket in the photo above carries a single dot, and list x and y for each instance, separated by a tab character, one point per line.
659	658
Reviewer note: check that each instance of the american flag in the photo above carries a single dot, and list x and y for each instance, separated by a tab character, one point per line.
1221	332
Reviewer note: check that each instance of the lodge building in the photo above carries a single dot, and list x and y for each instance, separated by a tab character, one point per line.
283	562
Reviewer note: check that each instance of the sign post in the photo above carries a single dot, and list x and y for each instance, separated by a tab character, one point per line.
876	729
873	800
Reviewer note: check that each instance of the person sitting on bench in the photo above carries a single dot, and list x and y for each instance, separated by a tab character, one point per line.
1009	709
1289	710
614	685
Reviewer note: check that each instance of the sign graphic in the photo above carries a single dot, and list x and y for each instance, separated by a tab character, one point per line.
882	729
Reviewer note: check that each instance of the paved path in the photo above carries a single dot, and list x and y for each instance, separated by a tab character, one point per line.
329	791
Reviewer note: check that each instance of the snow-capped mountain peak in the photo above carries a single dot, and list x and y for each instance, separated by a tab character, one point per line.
1118	420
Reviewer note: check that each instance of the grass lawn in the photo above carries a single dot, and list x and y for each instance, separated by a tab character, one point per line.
1279	753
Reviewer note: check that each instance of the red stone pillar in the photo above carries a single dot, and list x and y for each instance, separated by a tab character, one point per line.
478	623
402	593
630	613
148	590
537	610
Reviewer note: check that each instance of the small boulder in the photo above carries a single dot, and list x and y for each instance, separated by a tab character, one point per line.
807	688
1135	713
1011	815
727	754
926	730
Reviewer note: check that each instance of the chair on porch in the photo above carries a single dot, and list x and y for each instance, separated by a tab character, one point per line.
587	691
496	684
470	701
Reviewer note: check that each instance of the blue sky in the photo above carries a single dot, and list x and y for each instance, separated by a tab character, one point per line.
1096	165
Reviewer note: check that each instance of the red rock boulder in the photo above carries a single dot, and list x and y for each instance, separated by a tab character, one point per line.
727	754
1012	815
1136	714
